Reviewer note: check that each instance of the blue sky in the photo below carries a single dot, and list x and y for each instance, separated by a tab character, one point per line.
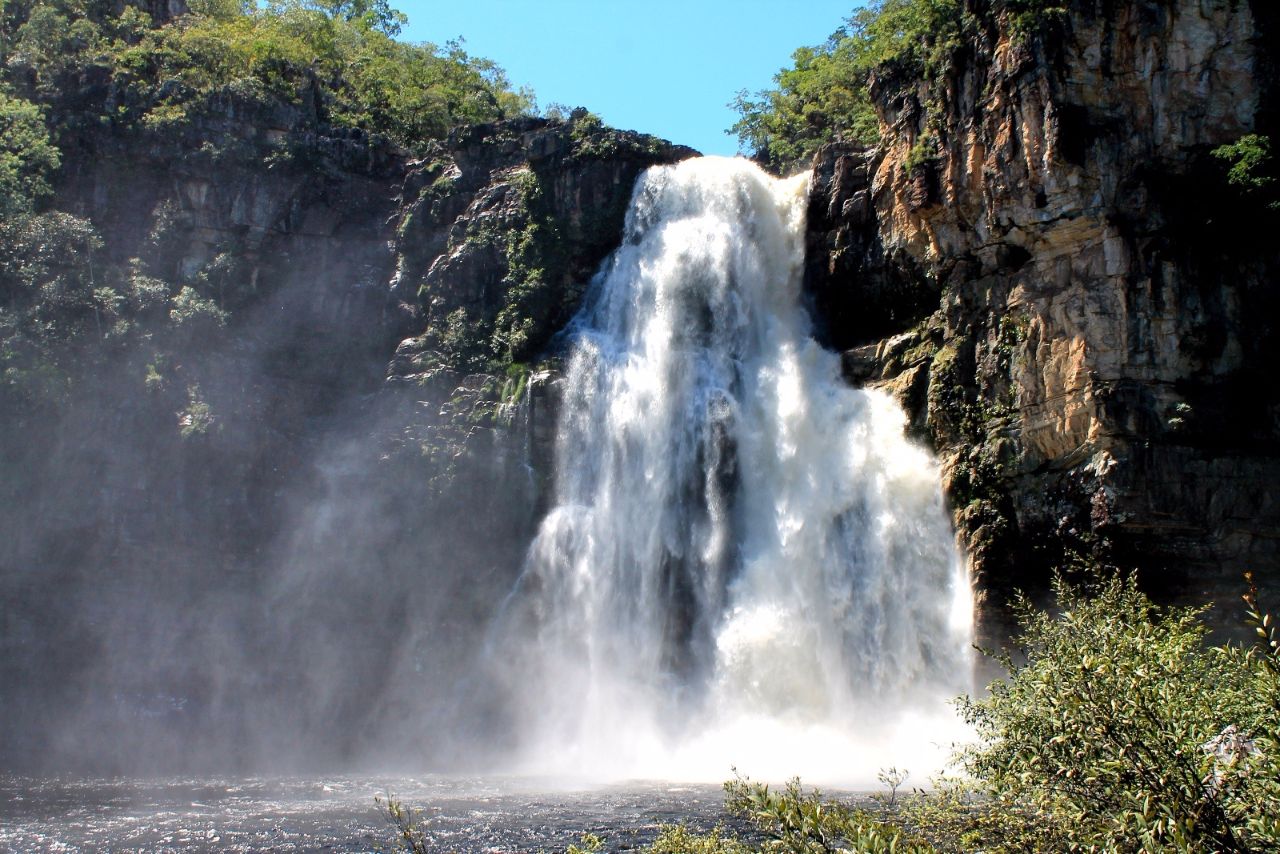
663	66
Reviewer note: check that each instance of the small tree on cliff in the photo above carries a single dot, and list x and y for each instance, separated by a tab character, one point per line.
373	14
27	157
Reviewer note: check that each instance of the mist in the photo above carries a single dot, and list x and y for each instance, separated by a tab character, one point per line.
293	585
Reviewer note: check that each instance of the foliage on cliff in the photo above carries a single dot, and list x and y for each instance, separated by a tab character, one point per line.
46	293
81	55
1252	168
75	71
26	156
825	95
63	313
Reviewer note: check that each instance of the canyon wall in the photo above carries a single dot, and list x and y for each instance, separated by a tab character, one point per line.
279	458
1046	264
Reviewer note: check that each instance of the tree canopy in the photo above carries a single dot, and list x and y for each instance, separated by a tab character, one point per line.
289	50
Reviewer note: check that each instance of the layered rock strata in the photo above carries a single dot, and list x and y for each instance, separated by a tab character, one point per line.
1045	262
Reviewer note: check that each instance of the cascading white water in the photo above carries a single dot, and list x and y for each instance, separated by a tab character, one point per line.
746	561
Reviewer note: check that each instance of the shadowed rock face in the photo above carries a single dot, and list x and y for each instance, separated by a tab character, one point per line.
272	542
499	235
1075	307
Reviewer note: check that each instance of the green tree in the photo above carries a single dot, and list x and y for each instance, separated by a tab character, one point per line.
27	157
1251	167
374	14
162	76
824	95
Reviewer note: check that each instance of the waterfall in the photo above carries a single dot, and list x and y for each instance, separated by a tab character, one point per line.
745	560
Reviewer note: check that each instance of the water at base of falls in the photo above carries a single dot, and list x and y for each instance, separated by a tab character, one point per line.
746	562
336	813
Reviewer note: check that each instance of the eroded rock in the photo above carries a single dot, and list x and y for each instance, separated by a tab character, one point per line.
1097	304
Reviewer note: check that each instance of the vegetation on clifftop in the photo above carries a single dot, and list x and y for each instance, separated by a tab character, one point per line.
77	74
825	95
82	57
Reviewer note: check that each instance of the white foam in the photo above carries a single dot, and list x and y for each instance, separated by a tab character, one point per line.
747	562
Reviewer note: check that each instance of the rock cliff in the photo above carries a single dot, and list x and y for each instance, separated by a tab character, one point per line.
299	401
1044	261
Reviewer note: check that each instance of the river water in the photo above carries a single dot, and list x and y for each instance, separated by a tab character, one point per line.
337	814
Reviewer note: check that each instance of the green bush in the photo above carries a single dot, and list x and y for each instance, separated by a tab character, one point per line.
193	312
799	822
408	823
821	98
678	839
27	157
824	95
46	271
922	154
1251	167
196	418
1125	731
52	307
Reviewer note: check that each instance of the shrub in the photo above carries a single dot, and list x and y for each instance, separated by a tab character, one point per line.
1251	167
922	154
196	418
408	824
824	95
799	822
678	839
1123	729
821	98
191	311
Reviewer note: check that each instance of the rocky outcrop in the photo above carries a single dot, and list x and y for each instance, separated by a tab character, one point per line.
1046	264
500	233
498	236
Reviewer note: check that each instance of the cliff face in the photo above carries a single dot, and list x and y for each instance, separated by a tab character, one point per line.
1044	261
309	420
499	235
